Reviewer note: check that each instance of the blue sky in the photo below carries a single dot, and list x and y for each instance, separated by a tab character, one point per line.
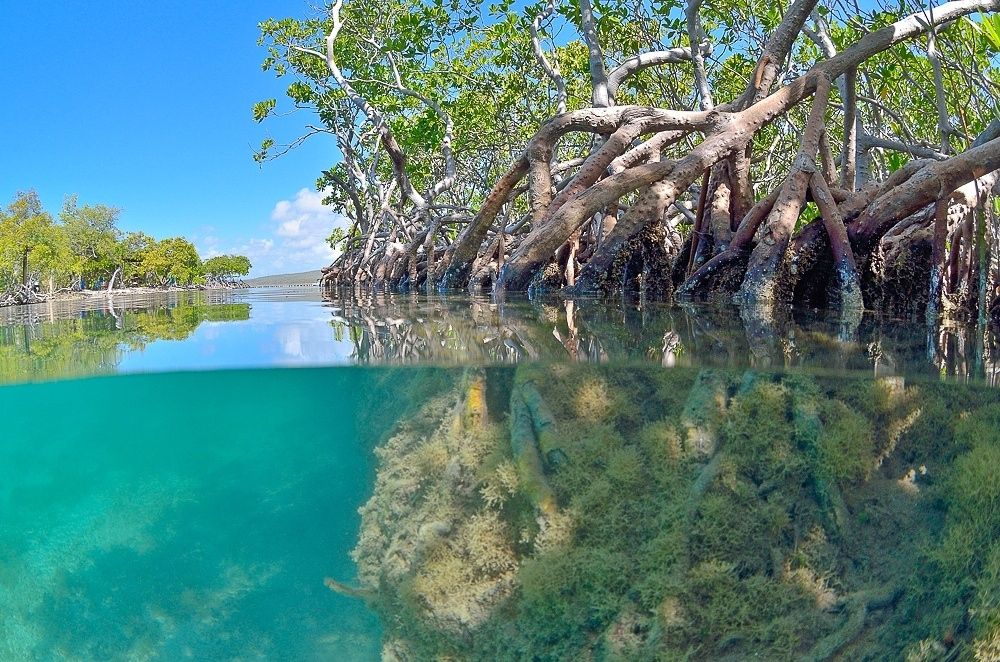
146	106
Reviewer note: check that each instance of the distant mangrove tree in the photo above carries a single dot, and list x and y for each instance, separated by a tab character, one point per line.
83	247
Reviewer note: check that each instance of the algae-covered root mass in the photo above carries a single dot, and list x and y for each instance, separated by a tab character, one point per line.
595	512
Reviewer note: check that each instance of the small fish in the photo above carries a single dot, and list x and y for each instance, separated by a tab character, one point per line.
349	591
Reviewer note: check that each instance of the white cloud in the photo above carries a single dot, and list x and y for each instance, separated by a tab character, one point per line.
290	338
302	227
208	247
297	229
290	228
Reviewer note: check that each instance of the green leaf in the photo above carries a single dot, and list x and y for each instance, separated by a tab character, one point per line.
989	27
300	92
262	109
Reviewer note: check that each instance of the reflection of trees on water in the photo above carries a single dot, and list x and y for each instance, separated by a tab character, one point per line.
726	509
390	328
58	339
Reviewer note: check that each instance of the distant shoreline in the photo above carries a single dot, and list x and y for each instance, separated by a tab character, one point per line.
280	285
81	295
303	279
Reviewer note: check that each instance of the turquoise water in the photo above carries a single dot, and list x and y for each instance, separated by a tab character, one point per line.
185	515
556	480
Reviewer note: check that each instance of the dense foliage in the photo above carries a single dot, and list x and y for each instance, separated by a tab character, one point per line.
84	247
226	268
504	145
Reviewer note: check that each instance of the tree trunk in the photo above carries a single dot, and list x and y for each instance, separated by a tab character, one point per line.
114	277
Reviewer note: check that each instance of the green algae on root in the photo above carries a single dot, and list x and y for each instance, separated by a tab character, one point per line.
789	536
524	445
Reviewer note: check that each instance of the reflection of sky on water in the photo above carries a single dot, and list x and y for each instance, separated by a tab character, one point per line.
278	333
295	327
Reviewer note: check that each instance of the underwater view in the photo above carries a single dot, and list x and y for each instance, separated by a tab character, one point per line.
476	331
425	478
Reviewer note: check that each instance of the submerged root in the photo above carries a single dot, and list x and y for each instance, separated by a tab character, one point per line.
350	591
639	542
525	447
442	537
705	406
543	422
418	530
858	607
809	430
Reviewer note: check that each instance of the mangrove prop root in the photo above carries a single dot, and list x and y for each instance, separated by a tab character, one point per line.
436	240
524	446
808	428
858	607
20	295
543	422
473	412
705	404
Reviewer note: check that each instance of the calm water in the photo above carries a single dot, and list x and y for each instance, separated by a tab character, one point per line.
448	477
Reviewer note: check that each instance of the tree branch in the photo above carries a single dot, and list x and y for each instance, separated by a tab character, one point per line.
637	63
551	69
698	40
598	73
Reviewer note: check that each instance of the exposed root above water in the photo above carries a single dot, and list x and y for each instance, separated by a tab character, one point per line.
795	188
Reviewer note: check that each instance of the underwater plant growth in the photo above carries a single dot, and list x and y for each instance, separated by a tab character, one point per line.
591	480
601	512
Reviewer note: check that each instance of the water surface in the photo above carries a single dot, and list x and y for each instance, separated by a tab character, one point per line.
306	327
536	480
